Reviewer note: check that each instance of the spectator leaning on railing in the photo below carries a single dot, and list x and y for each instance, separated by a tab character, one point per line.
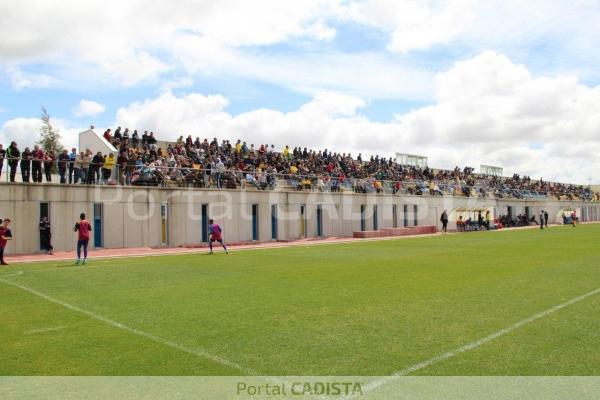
13	154
2	157
26	157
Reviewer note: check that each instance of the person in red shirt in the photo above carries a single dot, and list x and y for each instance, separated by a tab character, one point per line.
215	232
83	229
5	236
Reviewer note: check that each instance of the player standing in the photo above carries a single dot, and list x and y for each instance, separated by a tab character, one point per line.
83	229
215	232
5	236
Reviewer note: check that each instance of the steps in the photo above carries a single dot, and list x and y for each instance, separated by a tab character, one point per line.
396	232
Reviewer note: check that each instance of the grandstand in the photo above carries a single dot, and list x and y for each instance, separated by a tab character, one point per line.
153	193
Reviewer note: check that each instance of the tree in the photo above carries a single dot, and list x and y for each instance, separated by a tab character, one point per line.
49	136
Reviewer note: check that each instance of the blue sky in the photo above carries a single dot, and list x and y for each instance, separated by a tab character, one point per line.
448	79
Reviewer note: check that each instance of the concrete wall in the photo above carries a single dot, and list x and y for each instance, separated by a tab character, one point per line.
132	216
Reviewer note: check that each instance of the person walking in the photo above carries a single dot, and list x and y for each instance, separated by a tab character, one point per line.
5	236
546	216
444	221
83	229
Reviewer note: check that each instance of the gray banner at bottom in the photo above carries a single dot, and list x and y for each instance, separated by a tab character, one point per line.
354	387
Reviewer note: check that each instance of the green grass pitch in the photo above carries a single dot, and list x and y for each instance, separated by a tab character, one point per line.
365	308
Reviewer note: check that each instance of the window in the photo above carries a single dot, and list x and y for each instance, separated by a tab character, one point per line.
363	220
274	222
255	222
375	219
319	220
204	222
98	222
303	220
44	213
416	214
164	224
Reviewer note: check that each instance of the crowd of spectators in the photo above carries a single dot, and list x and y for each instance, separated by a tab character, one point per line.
203	163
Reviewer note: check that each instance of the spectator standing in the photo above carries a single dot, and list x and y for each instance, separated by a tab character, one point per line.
63	164
488	220
122	165
2	157
5	236
36	164
96	168
48	162
109	163
26	165
46	235
85	165
135	140
72	157
78	168
83	229
131	165
13	154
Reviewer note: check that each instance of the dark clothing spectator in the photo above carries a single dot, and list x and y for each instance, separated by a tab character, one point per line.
444	221
46	235
36	164
63	163
13	154
72	175
2	157
48	163
26	165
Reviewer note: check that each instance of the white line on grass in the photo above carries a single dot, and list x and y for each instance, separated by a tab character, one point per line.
43	330
9	275
477	343
197	352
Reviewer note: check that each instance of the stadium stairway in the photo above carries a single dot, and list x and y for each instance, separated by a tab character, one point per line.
395	232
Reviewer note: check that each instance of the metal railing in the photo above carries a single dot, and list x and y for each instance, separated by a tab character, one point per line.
87	173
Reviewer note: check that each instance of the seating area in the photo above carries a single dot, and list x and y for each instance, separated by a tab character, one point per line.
144	161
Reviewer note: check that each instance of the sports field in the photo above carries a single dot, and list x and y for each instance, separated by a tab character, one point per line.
524	302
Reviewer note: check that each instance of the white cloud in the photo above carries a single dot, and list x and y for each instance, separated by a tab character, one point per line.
488	110
131	42
414	24
26	132
87	108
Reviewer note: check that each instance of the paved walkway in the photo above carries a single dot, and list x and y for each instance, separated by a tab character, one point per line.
198	248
